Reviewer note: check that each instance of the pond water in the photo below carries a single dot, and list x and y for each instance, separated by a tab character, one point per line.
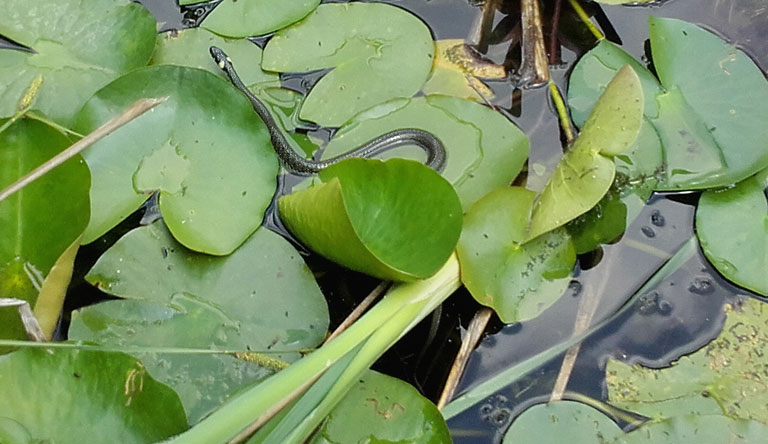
677	317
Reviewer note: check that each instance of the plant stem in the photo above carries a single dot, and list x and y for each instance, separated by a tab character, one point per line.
554	48
585	18
562	112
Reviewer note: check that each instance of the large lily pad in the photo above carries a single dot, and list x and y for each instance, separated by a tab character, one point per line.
56	394
38	223
737	246
518	280
380	408
204	149
396	220
709	105
243	18
484	150
78	46
261	297
568	421
393	51
728	374
586	171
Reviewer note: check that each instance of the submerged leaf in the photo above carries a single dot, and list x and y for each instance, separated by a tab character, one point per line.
729	372
39	222
380	408
484	150
396	220
262	297
56	394
243	18
204	150
393	50
586	172
77	46
518	280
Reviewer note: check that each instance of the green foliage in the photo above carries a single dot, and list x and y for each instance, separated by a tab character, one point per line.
243	18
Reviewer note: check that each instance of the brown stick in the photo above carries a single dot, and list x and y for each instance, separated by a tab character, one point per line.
140	107
534	70
554	48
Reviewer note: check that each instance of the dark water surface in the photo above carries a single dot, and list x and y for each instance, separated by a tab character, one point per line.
677	317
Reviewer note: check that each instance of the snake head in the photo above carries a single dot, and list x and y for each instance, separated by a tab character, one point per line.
219	56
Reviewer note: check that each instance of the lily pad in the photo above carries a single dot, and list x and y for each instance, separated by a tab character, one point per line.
456	74
728	373
244	18
261	297
53	394
78	46
568	421
711	136
393	51
204	150
586	172
737	246
600	225
484	150
38	223
380	408
396	220
518	280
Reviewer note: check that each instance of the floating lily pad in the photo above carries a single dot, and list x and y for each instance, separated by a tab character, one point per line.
737	246
568	421
392	51
600	225
38	223
243	18
262	297
56	394
396	220
484	150
380	408
518	280
456	74
78	46
729	373
586	171
204	149
712	136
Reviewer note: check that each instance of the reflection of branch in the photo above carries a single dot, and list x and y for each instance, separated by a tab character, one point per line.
535	69
553	40
140	107
481	31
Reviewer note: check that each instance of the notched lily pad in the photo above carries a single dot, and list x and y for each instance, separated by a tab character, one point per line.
729	372
53	393
396	220
586	171
261	297
205	150
518	280
380	408
78	46
243	18
484	150
393	51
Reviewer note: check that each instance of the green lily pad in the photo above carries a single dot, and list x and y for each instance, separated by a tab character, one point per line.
38	223
393	51
600	225
729	373
79	46
261	297
396	220
518	280
204	149
737	246
709	109
54	394
484	150
244	18
568	421
380	408
585	173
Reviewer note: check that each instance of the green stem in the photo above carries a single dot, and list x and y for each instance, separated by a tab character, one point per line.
562	111
585	18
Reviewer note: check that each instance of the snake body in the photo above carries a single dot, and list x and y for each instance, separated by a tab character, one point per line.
299	165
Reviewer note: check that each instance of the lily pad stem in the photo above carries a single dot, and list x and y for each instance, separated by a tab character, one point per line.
585	18
562	112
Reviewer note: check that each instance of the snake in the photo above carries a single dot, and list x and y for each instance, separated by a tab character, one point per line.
301	166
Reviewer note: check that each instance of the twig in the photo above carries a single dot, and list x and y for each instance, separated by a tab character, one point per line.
28	318
534	70
474	333
140	107
360	309
585	18
553	40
